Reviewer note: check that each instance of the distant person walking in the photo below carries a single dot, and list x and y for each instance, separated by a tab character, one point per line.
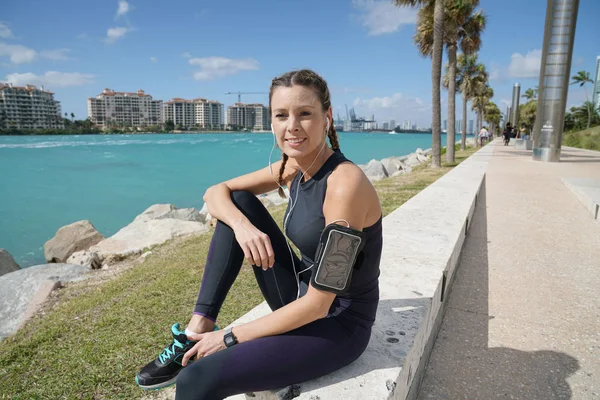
483	135
507	133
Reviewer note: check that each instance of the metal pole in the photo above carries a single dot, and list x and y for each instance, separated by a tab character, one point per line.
515	105
559	34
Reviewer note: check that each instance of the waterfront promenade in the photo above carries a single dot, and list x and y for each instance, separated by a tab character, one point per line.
523	319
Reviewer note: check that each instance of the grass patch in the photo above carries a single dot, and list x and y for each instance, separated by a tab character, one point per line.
585	139
90	343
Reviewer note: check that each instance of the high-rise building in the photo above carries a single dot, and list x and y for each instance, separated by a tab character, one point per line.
197	113
249	116
386	126
124	109
27	107
596	93
458	126
445	125
181	112
393	124
471	129
209	113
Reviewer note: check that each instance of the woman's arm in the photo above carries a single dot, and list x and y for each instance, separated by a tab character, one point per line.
218	197
350	197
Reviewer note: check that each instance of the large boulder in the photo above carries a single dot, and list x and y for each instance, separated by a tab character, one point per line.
374	170
273	198
165	211
77	236
156	225
86	258
392	165
412	160
7	263
20	288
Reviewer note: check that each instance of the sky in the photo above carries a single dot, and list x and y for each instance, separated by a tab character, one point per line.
189	49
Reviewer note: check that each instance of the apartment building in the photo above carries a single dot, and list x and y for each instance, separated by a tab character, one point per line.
201	113
27	107
249	116
124	109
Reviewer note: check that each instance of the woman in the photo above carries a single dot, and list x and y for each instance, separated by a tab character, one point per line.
507	133
311	332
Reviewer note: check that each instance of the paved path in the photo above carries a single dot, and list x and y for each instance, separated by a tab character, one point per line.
523	319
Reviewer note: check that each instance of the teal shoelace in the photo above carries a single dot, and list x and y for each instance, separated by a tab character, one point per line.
169	351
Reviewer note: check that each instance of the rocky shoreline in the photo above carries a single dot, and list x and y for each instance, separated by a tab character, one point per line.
79	248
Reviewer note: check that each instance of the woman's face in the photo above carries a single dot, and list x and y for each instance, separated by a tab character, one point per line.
298	120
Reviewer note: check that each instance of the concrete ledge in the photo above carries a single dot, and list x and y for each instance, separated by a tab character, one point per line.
422	243
588	192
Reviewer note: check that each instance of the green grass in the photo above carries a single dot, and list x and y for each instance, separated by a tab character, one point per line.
585	139
92	338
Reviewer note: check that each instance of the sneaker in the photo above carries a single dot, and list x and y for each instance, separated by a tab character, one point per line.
163	371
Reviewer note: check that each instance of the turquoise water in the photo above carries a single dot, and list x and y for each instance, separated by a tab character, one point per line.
51	181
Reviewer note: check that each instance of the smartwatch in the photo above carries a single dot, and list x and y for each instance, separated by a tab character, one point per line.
229	338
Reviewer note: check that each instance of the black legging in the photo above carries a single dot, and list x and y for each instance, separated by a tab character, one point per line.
273	362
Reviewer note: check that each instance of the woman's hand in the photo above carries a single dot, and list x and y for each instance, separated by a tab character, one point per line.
208	343
255	244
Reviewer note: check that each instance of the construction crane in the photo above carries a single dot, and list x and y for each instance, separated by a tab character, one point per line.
239	94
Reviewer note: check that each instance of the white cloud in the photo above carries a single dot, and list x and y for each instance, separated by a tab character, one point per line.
381	17
18	54
114	34
123	9
51	79
153	59
83	36
5	31
217	67
397	106
58	54
525	66
186	55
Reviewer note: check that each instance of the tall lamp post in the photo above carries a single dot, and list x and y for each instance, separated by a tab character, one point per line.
559	34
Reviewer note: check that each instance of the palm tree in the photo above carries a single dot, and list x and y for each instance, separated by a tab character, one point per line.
492	116
436	72
581	79
530	94
72	117
462	28
470	73
483	94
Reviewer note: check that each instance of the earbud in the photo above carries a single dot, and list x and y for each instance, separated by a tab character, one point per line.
328	125
272	130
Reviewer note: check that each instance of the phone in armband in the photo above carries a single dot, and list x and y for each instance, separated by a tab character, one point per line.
336	257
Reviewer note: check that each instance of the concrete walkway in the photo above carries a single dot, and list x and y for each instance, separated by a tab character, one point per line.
523	318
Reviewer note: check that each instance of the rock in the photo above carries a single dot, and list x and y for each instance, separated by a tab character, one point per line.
400	172
412	160
164	211
7	263
204	213
154	226
422	157
20	288
77	236
374	170
273	198
86	258
419	151
392	165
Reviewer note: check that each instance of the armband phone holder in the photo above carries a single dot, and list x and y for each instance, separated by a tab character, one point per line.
336	256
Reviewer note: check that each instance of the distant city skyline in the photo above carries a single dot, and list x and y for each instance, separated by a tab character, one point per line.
122	45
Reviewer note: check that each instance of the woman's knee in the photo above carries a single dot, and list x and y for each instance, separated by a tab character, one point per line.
244	200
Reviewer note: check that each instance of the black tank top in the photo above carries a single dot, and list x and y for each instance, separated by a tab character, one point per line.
304	227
